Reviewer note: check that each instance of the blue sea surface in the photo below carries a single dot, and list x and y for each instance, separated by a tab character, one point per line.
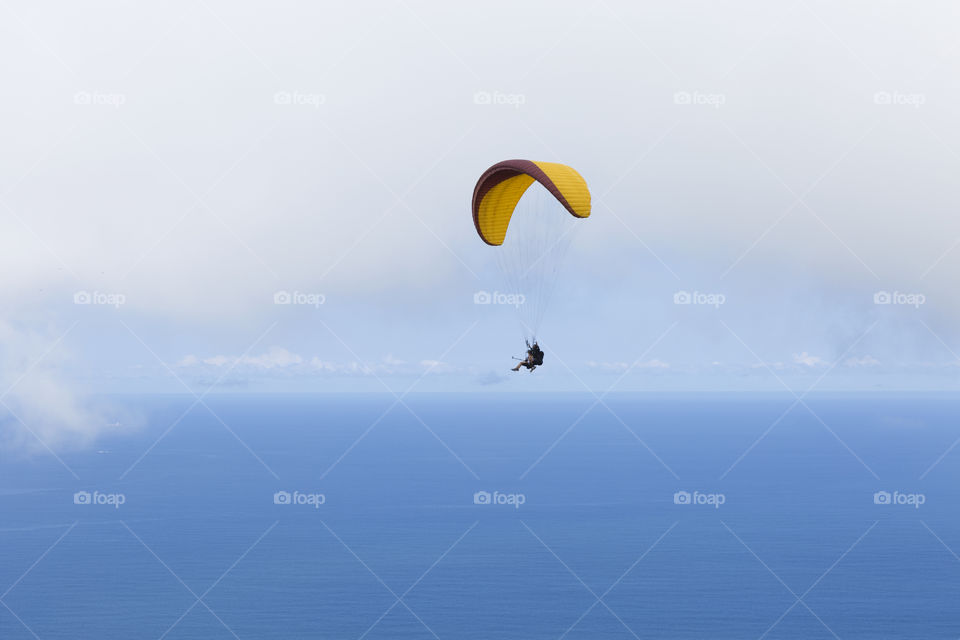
469	516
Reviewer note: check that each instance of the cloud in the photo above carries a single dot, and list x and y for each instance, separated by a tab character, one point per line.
808	360
767	365
273	358
279	361
276	357
865	361
437	366
188	361
42	408
652	364
623	366
491	378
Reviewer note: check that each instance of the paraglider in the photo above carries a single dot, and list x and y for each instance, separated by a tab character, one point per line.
533	360
531	199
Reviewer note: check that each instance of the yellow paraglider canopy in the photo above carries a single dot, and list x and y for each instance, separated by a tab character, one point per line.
501	186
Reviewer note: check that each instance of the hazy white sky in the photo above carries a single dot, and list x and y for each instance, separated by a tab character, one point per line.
196	158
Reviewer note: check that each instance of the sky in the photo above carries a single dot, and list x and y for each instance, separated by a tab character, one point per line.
169	169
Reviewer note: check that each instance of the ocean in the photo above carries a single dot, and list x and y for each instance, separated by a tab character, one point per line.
492	515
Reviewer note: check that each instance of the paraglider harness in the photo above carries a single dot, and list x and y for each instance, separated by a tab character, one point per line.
536	352
534	356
